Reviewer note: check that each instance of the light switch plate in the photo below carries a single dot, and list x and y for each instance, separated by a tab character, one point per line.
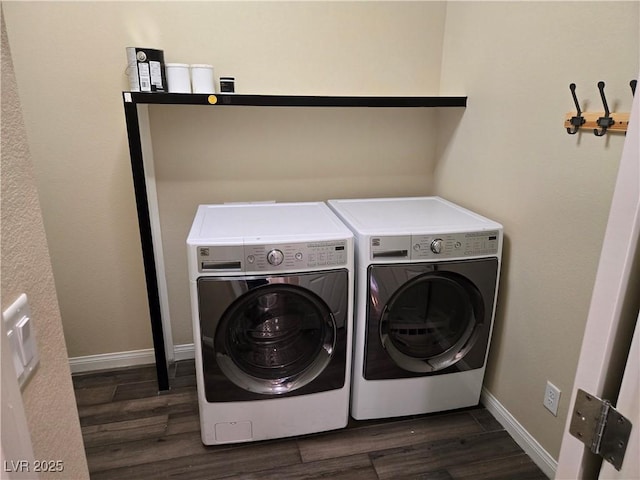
15	347
27	343
19	325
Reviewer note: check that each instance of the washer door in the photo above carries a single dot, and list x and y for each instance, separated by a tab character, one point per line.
275	339
273	335
428	319
431	322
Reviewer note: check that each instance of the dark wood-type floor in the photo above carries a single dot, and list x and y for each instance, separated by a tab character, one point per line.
131	432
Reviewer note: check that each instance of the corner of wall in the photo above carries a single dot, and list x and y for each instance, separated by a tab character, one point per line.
48	397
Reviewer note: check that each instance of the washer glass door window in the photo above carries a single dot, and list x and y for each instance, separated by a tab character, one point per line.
427	318
273	335
274	339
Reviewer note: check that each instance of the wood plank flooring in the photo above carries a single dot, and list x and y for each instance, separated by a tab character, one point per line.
131	432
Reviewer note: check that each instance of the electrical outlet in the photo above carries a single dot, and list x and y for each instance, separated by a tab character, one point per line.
551	398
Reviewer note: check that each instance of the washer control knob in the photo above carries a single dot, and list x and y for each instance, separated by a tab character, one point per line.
436	246
275	257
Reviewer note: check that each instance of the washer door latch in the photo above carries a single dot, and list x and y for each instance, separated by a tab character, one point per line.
600	427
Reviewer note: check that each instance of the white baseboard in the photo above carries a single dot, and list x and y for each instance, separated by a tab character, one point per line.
522	437
184	352
106	361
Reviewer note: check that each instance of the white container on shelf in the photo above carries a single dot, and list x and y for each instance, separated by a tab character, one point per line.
178	78
202	78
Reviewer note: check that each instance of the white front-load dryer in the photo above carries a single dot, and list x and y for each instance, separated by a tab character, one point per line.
426	285
271	295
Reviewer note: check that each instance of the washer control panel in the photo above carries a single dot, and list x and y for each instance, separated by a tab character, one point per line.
257	258
454	245
295	255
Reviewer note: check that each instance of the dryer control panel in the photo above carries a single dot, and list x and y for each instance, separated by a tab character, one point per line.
436	246
454	245
280	256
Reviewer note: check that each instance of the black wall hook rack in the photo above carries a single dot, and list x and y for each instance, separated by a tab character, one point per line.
599	122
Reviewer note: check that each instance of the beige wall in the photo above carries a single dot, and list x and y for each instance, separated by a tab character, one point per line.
506	155
511	159
299	154
71	87
48	397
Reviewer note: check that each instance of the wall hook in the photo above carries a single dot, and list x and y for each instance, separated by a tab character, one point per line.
606	121
597	121
577	120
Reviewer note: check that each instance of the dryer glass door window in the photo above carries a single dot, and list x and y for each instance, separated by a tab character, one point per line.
431	322
275	338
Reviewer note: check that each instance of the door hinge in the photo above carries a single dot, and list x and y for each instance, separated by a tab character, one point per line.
600	427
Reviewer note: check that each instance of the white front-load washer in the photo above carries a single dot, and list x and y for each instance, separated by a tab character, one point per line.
271	288
426	286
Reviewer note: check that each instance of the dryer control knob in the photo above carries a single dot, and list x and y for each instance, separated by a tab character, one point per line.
275	257
436	246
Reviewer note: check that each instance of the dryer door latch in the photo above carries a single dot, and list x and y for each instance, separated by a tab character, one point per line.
600	427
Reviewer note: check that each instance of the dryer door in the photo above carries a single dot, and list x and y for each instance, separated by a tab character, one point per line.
429	317
275	335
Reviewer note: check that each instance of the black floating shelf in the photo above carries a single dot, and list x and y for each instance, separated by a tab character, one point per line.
290	100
